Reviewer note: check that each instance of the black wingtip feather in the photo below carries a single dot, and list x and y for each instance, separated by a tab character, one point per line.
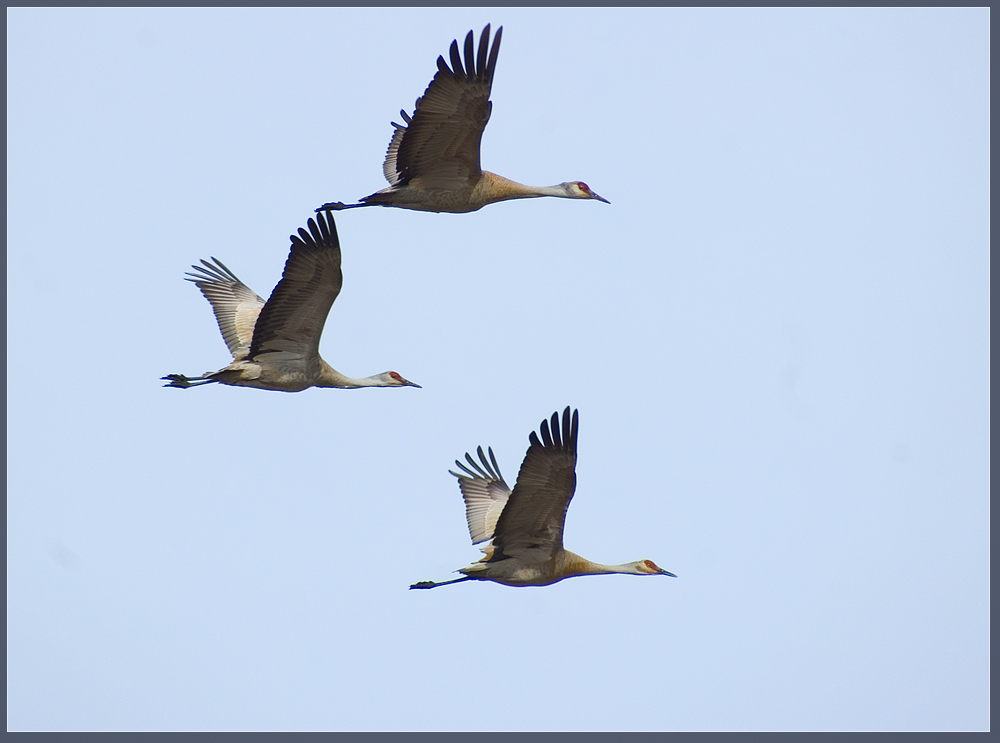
574	429
475	465
484	45
470	55
456	59
483	468
495	465
322	232
570	423
546	436
491	65
556	435
216	272
494	470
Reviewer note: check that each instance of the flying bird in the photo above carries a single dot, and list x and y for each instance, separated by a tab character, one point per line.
526	524
433	160
275	344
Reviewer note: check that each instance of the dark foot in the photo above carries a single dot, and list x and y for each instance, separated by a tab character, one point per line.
423	584
334	206
177	380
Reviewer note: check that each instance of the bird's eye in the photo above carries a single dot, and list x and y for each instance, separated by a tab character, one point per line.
583	186
396	376
651	565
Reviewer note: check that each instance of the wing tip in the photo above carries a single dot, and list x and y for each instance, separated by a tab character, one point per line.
476	65
486	469
558	435
319	232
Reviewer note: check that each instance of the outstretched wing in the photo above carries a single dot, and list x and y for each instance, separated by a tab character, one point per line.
236	305
292	319
485	494
531	525
440	143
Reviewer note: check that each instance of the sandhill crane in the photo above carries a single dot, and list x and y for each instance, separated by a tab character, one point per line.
526	524
433	161
275	344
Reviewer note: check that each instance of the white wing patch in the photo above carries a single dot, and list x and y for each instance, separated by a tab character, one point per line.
236	306
485	494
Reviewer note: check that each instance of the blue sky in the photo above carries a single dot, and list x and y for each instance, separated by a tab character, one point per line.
777	335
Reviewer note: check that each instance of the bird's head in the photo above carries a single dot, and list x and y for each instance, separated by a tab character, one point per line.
648	567
580	190
395	379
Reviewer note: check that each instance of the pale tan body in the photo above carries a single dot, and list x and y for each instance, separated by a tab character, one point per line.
563	564
275	344
432	163
526	524
488	189
291	373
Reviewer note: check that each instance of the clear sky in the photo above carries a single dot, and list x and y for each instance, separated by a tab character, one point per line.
777	335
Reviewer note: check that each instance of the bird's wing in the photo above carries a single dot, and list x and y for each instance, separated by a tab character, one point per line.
292	319
485	494
531	525
236	305
440	143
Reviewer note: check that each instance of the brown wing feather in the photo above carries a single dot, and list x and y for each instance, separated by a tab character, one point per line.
293	317
440	144
531	525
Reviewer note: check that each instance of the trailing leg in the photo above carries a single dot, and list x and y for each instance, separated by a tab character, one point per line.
432	584
179	380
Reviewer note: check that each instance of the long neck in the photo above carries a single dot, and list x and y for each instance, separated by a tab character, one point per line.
497	188
330	377
576	565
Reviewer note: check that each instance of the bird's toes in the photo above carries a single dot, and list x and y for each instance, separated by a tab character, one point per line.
423	584
333	206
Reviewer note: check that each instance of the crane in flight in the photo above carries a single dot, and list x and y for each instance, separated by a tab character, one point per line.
433	160
526	524
275	344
